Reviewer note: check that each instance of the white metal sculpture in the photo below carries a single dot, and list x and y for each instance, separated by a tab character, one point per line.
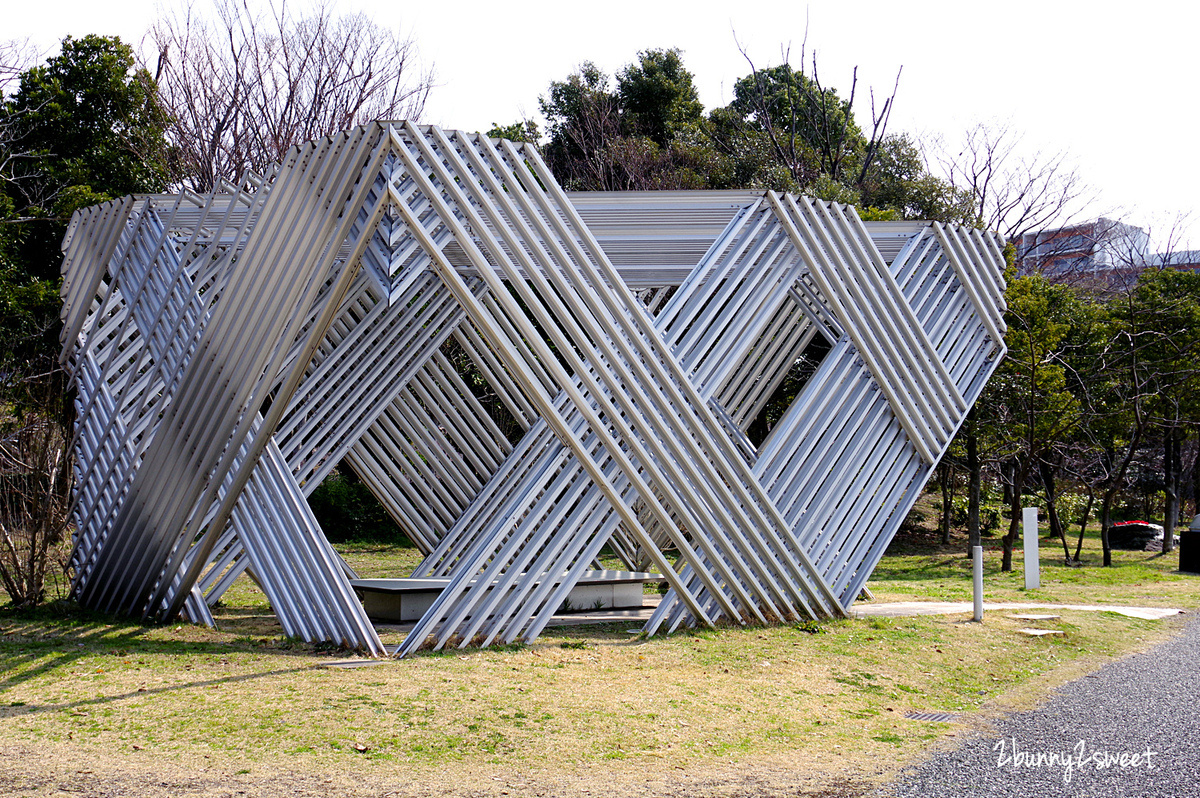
229	350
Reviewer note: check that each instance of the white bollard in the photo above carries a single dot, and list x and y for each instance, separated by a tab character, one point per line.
977	578
1033	565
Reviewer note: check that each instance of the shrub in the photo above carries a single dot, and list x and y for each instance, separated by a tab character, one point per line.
348	511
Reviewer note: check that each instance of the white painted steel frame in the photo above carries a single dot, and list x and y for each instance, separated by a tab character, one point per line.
230	350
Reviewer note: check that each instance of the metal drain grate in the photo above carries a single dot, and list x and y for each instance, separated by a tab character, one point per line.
938	717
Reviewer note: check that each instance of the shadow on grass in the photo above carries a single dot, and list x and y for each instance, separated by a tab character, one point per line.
41	640
148	692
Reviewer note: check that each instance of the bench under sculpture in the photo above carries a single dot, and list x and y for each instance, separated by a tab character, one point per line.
230	350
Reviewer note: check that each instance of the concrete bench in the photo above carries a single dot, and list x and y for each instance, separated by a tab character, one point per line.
401	600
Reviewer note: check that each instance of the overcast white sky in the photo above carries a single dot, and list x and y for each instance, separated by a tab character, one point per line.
1112	84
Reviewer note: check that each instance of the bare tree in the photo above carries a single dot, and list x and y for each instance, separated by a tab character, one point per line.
246	86
18	161
35	483
1144	376
16	56
1014	193
585	159
1176	354
813	117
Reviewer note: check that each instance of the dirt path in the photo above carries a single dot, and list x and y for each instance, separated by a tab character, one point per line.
55	770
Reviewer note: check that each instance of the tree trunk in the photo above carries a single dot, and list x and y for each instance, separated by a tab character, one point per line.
1083	522
1046	472
945	480
1014	526
1018	474
1105	515
1171	468
1196	480
973	474
1117	479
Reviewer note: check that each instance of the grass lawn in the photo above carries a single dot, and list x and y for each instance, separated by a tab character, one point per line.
90	702
919	567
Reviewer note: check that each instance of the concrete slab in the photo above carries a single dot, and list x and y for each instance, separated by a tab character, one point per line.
1041	632
650	602
608	594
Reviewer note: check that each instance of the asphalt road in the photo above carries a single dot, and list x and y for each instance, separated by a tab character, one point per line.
1130	729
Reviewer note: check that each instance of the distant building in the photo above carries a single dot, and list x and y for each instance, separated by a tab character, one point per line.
1184	259
1102	248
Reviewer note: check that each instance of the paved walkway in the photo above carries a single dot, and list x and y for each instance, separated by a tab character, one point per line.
650	602
1130	729
907	608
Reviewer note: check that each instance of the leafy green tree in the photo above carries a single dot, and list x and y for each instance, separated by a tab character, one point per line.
1027	406
1165	310
783	132
1116	420
82	128
657	96
88	128
347	511
898	180
93	118
811	128
583	119
642	135
524	131
750	156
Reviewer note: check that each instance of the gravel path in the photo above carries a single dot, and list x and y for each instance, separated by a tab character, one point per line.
1074	743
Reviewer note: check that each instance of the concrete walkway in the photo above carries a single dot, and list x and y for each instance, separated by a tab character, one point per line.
900	609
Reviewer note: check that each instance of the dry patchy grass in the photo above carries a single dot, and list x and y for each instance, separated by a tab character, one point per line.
738	711
123	695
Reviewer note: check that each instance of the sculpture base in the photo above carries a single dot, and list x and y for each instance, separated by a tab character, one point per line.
403	600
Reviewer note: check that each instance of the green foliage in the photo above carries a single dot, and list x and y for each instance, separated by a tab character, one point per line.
28	310
657	96
1096	382
82	128
582	116
752	158
782	132
643	135
348	511
93	120
898	181
1164	319
824	187
818	124
567	100
525	132
1027	406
